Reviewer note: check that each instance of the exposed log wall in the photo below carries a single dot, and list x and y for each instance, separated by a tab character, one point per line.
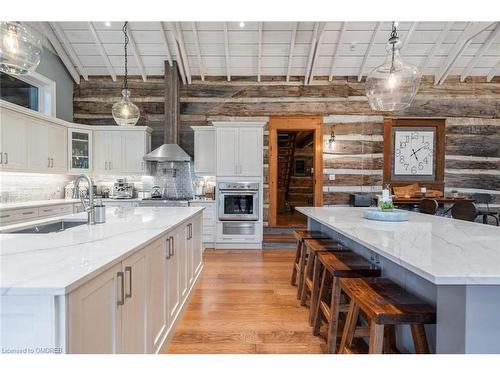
472	110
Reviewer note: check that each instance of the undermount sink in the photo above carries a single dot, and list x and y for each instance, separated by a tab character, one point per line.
54	227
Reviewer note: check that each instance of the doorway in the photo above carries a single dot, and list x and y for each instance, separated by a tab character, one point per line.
295	168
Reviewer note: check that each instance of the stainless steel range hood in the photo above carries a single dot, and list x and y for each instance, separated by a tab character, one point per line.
167	152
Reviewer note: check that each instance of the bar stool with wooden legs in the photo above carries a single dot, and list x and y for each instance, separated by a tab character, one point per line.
385	304
300	256
312	248
330	268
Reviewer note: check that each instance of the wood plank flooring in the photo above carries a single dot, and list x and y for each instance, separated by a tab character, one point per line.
244	303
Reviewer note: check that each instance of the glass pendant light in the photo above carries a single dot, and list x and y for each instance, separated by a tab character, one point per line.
20	49
392	85
125	112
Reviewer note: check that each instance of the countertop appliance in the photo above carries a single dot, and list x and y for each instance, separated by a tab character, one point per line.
156	192
122	189
238	201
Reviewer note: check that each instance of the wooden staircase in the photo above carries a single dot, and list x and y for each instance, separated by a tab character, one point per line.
286	150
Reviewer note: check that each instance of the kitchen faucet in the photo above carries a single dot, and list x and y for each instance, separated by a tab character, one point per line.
90	208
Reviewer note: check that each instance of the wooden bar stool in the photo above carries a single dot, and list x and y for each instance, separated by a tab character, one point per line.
330	268
385	304
300	256
313	247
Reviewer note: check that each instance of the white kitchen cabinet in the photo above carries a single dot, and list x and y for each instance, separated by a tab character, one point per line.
57	138
239	149
196	245
95	316
204	150
135	144
158	280
134	318
13	139
121	151
208	222
46	145
107	151
79	150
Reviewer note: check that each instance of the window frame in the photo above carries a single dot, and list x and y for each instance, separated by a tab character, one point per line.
46	92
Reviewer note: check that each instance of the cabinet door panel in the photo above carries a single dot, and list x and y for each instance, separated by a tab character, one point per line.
57	138
158	313
181	253
250	151
95	319
133	150
38	146
226	152
115	151
134	309
197	244
204	152
13	133
173	280
101	151
189	256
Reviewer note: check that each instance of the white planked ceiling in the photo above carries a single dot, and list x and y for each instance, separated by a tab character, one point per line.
432	46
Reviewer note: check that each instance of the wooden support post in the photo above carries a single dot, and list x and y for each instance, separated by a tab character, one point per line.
172	104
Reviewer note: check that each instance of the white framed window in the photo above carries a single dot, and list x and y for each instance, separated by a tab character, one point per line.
33	91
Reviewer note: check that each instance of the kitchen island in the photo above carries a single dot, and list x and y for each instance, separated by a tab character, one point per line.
452	264
117	287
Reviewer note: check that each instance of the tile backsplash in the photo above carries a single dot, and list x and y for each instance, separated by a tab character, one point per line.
24	187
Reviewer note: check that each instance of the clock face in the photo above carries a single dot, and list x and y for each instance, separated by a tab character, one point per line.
414	153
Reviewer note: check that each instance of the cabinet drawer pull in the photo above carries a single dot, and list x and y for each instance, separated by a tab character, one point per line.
4	216
168	248
129	270
172	244
28	213
51	163
1	158
48	162
121	301
6	158
109	164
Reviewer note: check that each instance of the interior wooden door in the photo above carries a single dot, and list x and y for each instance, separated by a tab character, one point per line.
294	123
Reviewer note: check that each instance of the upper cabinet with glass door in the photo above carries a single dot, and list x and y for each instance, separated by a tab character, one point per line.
80	150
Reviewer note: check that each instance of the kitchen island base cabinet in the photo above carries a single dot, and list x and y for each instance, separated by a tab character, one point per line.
131	307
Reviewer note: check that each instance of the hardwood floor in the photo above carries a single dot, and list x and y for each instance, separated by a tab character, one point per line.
291	219
244	303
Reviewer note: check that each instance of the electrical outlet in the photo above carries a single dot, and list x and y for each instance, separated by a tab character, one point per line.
331	177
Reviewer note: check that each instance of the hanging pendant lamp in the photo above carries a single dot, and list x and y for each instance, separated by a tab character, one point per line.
393	85
20	49
125	112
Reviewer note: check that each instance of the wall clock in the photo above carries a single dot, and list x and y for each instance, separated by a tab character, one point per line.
414	152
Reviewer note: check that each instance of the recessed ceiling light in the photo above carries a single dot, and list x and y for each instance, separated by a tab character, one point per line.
107	23
242	24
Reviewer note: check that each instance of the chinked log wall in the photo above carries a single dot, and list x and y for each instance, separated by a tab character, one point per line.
471	109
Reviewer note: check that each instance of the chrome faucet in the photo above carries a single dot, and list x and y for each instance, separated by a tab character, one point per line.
90	208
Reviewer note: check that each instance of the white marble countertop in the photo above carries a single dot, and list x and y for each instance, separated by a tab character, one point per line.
57	263
442	250
41	203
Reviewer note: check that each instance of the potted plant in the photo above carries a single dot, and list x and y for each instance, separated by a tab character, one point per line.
386	205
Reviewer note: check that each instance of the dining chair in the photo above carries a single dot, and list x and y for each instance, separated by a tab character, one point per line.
464	211
428	206
484	198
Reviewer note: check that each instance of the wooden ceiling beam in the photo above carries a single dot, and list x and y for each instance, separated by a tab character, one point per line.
470	32
408	35
164	39
198	51
290	52
61	35
61	52
493	72
180	63
486	45
259	57
182	48
312	49
340	41
368	51
226	48
137	55
102	51
316	51
436	45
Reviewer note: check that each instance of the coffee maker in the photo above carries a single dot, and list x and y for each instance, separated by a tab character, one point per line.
122	189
